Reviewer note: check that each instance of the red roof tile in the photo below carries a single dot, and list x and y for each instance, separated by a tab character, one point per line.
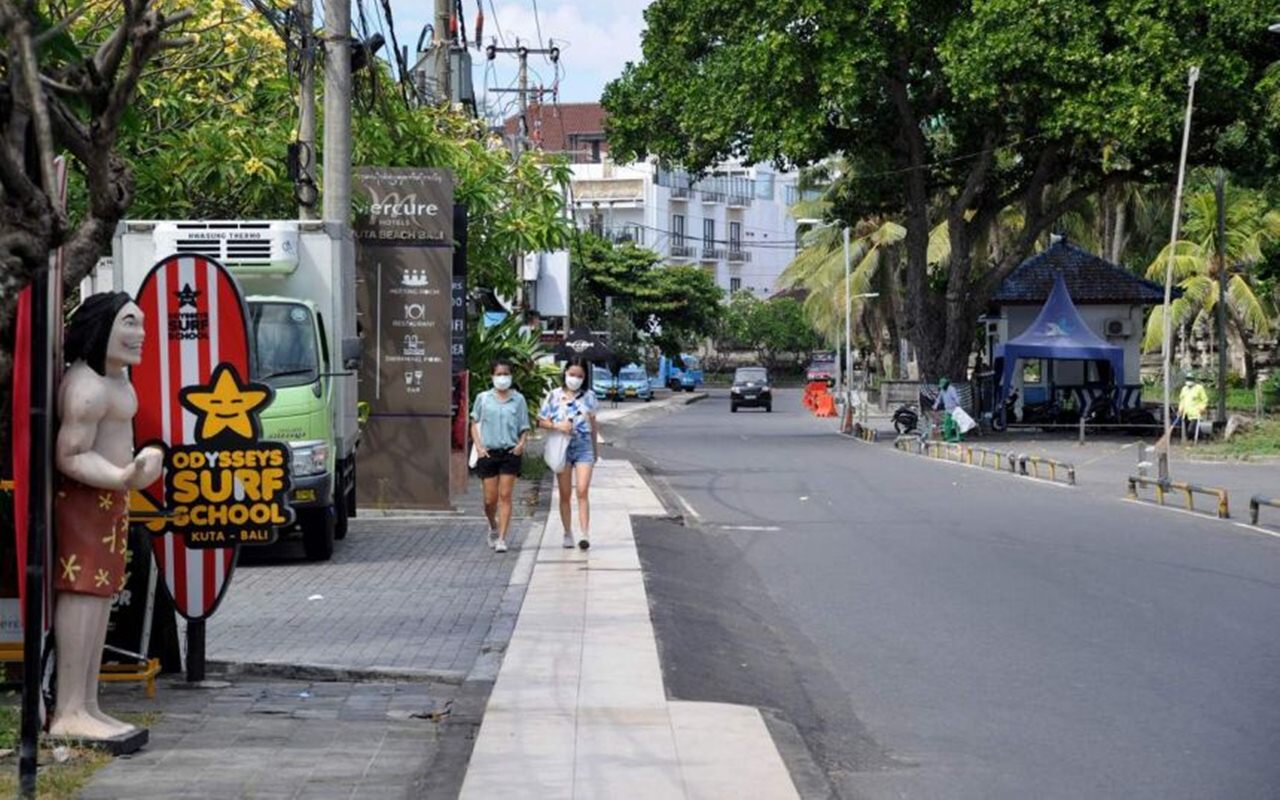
566	128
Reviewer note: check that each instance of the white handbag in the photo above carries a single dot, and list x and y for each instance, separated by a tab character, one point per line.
555	450
474	458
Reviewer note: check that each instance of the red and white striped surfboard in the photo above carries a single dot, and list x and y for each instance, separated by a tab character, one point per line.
195	319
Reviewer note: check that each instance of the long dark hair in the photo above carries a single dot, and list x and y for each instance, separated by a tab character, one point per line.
576	361
89	330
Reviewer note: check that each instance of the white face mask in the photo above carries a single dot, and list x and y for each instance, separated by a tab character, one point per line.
502	382
573	382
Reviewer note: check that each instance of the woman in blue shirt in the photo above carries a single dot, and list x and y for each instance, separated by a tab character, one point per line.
571	408
500	425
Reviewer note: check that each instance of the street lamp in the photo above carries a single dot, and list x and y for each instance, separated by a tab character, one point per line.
848	307
1167	349
846	377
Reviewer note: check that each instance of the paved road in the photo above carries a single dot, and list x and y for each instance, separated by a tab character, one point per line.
941	632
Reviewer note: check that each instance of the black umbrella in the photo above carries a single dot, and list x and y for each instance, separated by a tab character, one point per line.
582	343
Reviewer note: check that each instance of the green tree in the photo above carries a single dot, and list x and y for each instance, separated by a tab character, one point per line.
949	111
684	301
1252	226
211	132
772	328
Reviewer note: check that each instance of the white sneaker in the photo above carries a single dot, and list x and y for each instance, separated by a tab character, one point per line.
568	541
501	546
493	538
583	542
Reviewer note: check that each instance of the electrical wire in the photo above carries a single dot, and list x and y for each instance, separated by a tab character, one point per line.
538	24
497	24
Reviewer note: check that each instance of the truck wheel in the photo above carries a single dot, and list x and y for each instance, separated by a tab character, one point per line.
340	516
318	529
733	408
768	408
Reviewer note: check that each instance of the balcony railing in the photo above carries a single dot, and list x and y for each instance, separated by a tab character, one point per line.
739	200
711	196
712	254
620	235
679	192
738	256
682	251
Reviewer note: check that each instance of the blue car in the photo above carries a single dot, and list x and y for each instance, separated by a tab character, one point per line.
603	383
633	382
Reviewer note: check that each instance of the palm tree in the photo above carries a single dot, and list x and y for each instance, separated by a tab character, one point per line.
1251	225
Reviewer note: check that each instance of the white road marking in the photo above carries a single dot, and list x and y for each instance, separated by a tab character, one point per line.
749	527
1257	529
693	512
1200	515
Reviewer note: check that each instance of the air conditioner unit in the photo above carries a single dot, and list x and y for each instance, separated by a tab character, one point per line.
1118	328
245	247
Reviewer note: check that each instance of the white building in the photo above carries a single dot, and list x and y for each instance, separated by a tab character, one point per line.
733	223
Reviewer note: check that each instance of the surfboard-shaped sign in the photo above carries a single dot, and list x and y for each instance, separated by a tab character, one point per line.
221	487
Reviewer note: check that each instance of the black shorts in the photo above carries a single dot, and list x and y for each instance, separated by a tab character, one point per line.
498	462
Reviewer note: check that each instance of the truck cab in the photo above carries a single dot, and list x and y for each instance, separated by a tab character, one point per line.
291	355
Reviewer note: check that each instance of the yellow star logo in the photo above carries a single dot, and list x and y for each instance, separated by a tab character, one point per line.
70	567
105	501
225	406
103	578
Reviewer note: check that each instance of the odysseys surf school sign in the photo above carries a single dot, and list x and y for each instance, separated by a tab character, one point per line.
227	487
222	486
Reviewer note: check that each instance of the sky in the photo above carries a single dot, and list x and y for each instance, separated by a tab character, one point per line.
596	37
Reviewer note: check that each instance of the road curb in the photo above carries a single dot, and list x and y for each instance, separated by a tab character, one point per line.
329	673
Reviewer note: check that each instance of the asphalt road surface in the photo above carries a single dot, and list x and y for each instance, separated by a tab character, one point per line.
934	631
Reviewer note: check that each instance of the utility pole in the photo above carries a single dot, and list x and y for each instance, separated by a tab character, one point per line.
522	53
1220	318
306	180
337	111
443	49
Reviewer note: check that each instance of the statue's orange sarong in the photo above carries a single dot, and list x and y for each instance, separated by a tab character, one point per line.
92	535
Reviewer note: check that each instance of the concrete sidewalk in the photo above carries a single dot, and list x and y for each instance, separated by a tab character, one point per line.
579	709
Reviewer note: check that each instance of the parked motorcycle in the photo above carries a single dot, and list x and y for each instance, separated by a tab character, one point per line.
905	419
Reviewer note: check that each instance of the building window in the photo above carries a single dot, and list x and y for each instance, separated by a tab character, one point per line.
595	151
735	285
677	230
735	236
595	223
708	233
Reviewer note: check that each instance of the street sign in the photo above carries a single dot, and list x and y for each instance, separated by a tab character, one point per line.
195	322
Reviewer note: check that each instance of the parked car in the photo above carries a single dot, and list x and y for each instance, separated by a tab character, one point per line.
750	388
633	381
603	383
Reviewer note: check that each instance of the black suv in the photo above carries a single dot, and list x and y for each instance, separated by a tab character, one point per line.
750	388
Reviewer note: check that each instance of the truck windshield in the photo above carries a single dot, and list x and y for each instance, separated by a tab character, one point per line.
631	375
284	338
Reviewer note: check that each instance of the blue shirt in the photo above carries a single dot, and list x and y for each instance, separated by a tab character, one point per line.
501	423
561	405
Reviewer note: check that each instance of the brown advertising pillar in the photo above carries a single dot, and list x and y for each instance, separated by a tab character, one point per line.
404	264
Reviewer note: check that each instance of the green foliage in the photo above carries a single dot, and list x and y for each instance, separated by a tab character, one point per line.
525	352
684	300
771	328
1251	227
210	133
952	110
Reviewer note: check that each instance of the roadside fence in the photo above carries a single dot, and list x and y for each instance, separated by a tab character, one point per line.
1188	490
1255	505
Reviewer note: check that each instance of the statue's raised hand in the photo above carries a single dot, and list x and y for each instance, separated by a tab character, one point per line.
145	468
